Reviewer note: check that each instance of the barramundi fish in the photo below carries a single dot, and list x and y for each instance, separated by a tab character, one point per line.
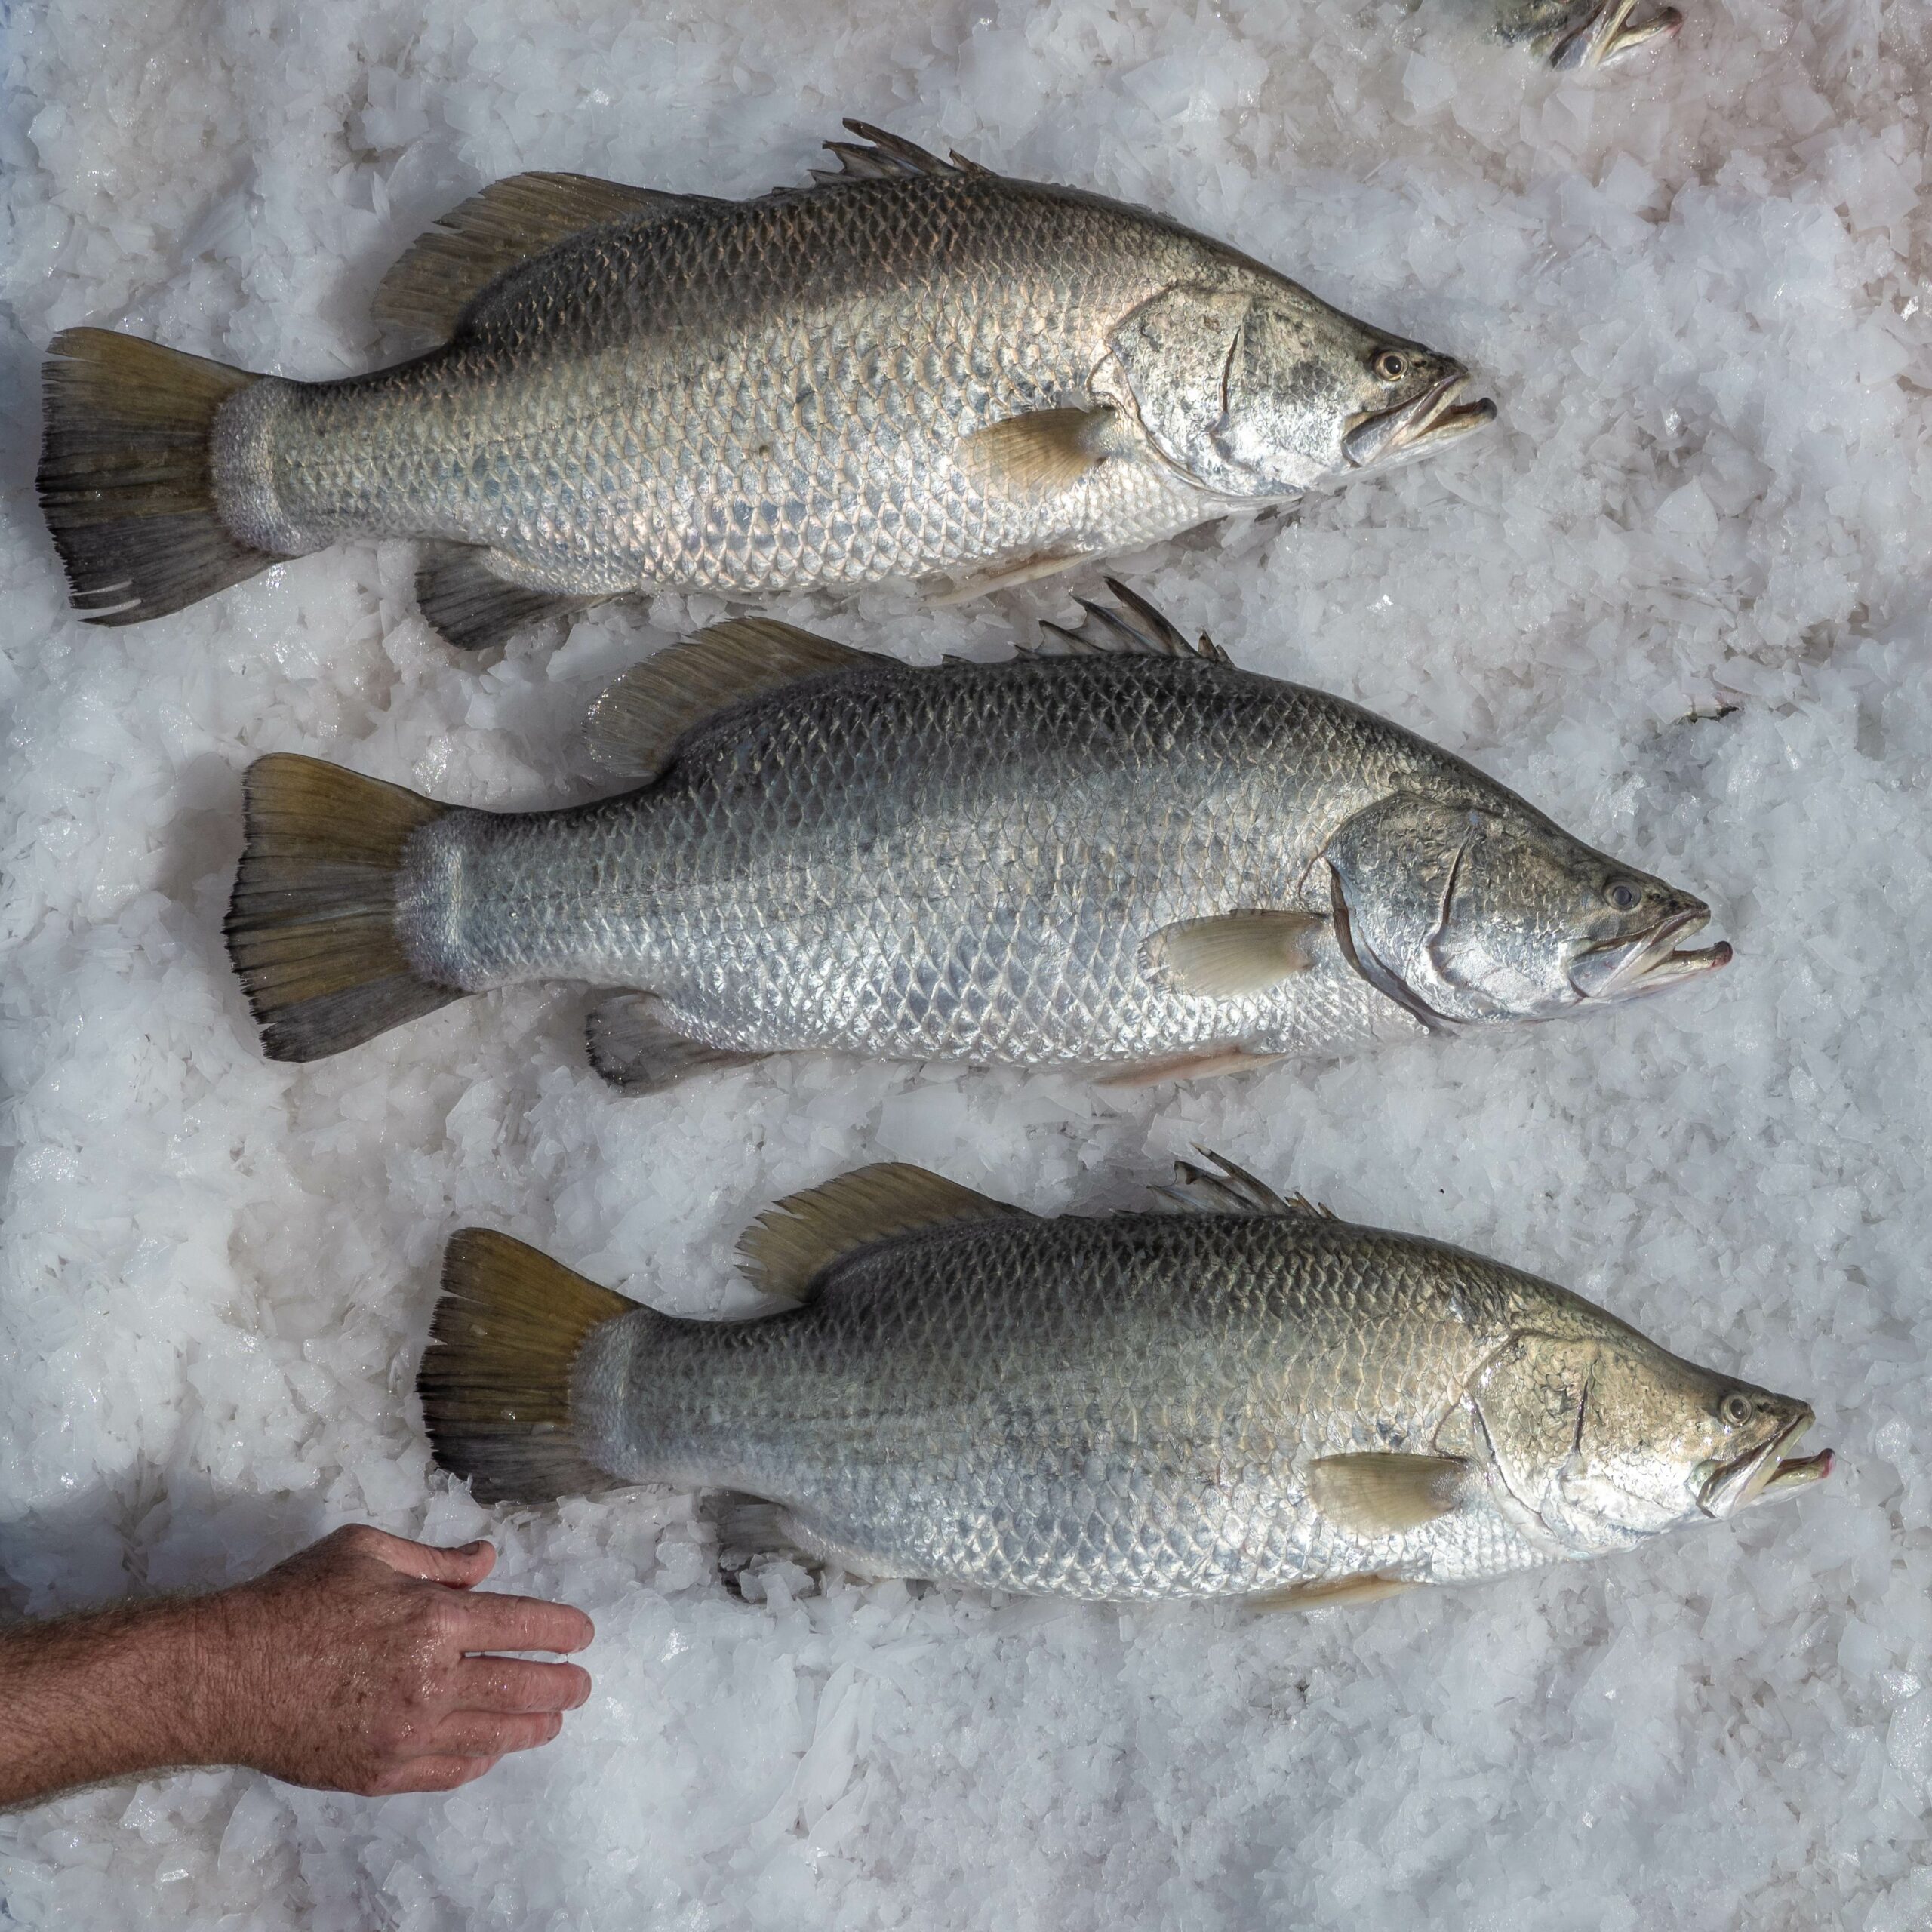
1246	1399
912	369
1122	854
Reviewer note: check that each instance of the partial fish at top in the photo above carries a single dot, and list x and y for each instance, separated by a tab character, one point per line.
1572	35
913	369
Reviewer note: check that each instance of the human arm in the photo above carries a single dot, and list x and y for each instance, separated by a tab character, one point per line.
360	1664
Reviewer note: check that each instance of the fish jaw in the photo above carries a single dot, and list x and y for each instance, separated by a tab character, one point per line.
1433	419
1652	962
1609	34
1765	1472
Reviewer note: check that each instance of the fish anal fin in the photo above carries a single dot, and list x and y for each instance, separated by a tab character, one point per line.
634	726
1378	1493
468	603
1009	576
452	262
1331	1593
784	1251
1233	954
1194	1063
1039	452
634	1047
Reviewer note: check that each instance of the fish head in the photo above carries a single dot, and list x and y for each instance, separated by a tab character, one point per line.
1608	1439
1485	910
1260	392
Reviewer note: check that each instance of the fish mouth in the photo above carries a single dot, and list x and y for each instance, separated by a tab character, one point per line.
1764	1473
1434	418
1609	34
1651	963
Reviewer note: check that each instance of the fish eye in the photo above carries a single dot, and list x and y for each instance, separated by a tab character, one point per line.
1735	1409
1624	895
1392	365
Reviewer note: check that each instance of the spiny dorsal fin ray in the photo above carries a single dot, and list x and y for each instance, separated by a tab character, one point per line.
454	260
1136	629
1230	1190
634	727
786	1250
886	155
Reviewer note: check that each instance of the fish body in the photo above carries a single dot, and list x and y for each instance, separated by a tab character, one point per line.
1134	857
914	369
1246	1400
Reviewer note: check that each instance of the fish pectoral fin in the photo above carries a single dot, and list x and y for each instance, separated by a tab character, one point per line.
469	605
633	1046
1037	453
451	264
786	1250
1365	1586
1195	1064
633	728
1232	954
1380	1495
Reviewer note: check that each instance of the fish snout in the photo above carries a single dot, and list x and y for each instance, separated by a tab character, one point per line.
1609	34
1650	961
1436	416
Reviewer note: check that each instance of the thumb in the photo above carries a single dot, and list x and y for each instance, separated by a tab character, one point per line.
462	1567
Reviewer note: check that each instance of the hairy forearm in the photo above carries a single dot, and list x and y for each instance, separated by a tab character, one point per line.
84	1699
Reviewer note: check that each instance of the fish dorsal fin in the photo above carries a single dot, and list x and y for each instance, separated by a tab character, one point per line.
1222	1188
1136	629
1380	1494
788	1246
452	262
884	157
633	727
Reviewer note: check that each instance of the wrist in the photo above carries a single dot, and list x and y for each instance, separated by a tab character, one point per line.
199	1659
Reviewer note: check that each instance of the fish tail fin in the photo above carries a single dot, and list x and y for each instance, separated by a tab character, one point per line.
127	476
496	1378
312	927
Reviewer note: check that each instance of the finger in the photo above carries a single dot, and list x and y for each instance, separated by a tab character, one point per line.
493	1621
462	1568
490	1733
508	1684
430	1774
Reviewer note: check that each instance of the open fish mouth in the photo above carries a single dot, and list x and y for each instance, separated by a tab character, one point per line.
1652	962
1434	418
1609	34
1764	1473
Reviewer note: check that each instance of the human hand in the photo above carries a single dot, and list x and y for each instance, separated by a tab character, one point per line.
361	1665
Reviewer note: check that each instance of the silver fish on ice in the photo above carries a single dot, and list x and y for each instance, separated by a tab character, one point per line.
912	369
1125	854
1244	1399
